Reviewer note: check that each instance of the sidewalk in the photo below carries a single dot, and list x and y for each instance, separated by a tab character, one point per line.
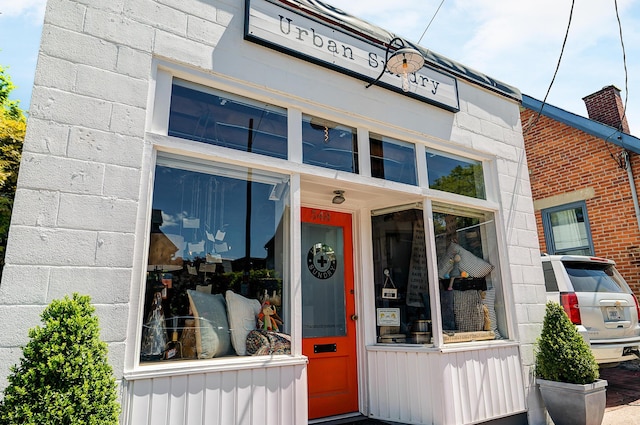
623	394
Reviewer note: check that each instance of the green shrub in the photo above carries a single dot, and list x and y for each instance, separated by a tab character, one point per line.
562	355
64	376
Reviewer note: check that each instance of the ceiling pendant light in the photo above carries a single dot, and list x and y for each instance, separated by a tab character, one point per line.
402	62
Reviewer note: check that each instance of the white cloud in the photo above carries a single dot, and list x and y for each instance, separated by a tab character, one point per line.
31	9
519	42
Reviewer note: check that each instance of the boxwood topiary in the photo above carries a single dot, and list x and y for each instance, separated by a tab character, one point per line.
562	355
64	376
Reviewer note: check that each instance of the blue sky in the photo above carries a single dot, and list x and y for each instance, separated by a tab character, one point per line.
518	42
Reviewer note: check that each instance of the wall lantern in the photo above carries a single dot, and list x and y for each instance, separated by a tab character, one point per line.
339	198
404	61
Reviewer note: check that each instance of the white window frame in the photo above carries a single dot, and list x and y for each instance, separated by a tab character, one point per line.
158	141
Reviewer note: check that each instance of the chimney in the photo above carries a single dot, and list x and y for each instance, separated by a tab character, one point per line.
605	106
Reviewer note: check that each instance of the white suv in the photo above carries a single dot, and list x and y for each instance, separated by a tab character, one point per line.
598	300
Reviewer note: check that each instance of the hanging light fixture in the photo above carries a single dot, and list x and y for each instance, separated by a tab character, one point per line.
339	198
403	62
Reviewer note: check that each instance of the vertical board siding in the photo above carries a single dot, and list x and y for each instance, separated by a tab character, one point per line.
257	396
445	388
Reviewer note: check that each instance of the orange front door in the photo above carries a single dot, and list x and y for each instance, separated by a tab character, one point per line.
328	312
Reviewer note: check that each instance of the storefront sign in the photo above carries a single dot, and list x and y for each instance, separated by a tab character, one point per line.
321	261
302	36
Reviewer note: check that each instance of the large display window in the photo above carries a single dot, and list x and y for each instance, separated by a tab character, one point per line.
471	297
216	281
468	291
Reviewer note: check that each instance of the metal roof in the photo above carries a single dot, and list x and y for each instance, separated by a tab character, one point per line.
375	35
595	128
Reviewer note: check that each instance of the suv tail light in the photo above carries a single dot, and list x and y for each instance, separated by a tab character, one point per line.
569	301
637	306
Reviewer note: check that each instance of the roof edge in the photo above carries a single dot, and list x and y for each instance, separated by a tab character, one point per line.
595	128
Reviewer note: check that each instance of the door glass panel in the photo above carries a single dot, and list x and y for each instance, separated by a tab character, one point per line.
323	302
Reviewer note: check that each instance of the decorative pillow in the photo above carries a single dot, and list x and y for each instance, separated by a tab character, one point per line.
262	343
467	308
489	301
211	325
243	314
474	266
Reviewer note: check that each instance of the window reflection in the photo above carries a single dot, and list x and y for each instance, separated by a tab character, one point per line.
392	160
216	251
328	144
568	230
455	174
227	120
403	308
471	302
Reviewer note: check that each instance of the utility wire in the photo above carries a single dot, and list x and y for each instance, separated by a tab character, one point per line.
620	159
429	24
624	62
564	43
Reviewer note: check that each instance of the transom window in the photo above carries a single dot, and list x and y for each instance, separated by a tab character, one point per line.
328	144
223	119
392	159
455	174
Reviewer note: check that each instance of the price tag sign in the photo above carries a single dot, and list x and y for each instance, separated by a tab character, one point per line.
388	316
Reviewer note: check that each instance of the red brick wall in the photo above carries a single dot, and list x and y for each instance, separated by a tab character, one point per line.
606	106
563	159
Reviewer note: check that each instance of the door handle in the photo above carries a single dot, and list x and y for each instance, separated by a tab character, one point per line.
354	317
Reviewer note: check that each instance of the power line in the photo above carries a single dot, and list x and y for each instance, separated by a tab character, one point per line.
564	43
429	24
620	159
624	62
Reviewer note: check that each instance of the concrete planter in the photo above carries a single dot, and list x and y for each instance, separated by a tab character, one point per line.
574	404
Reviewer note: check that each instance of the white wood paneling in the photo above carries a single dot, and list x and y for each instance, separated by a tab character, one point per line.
450	388
250	396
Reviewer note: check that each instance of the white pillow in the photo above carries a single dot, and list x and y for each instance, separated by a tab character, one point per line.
243	315
474	266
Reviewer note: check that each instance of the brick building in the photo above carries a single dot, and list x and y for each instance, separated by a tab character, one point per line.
582	173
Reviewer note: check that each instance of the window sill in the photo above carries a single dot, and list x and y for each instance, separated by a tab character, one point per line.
445	348
189	367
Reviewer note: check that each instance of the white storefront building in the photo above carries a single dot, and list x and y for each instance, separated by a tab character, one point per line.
188	160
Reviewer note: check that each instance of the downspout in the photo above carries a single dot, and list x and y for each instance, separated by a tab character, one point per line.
632	183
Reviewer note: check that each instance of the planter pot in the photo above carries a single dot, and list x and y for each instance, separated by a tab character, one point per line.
574	404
